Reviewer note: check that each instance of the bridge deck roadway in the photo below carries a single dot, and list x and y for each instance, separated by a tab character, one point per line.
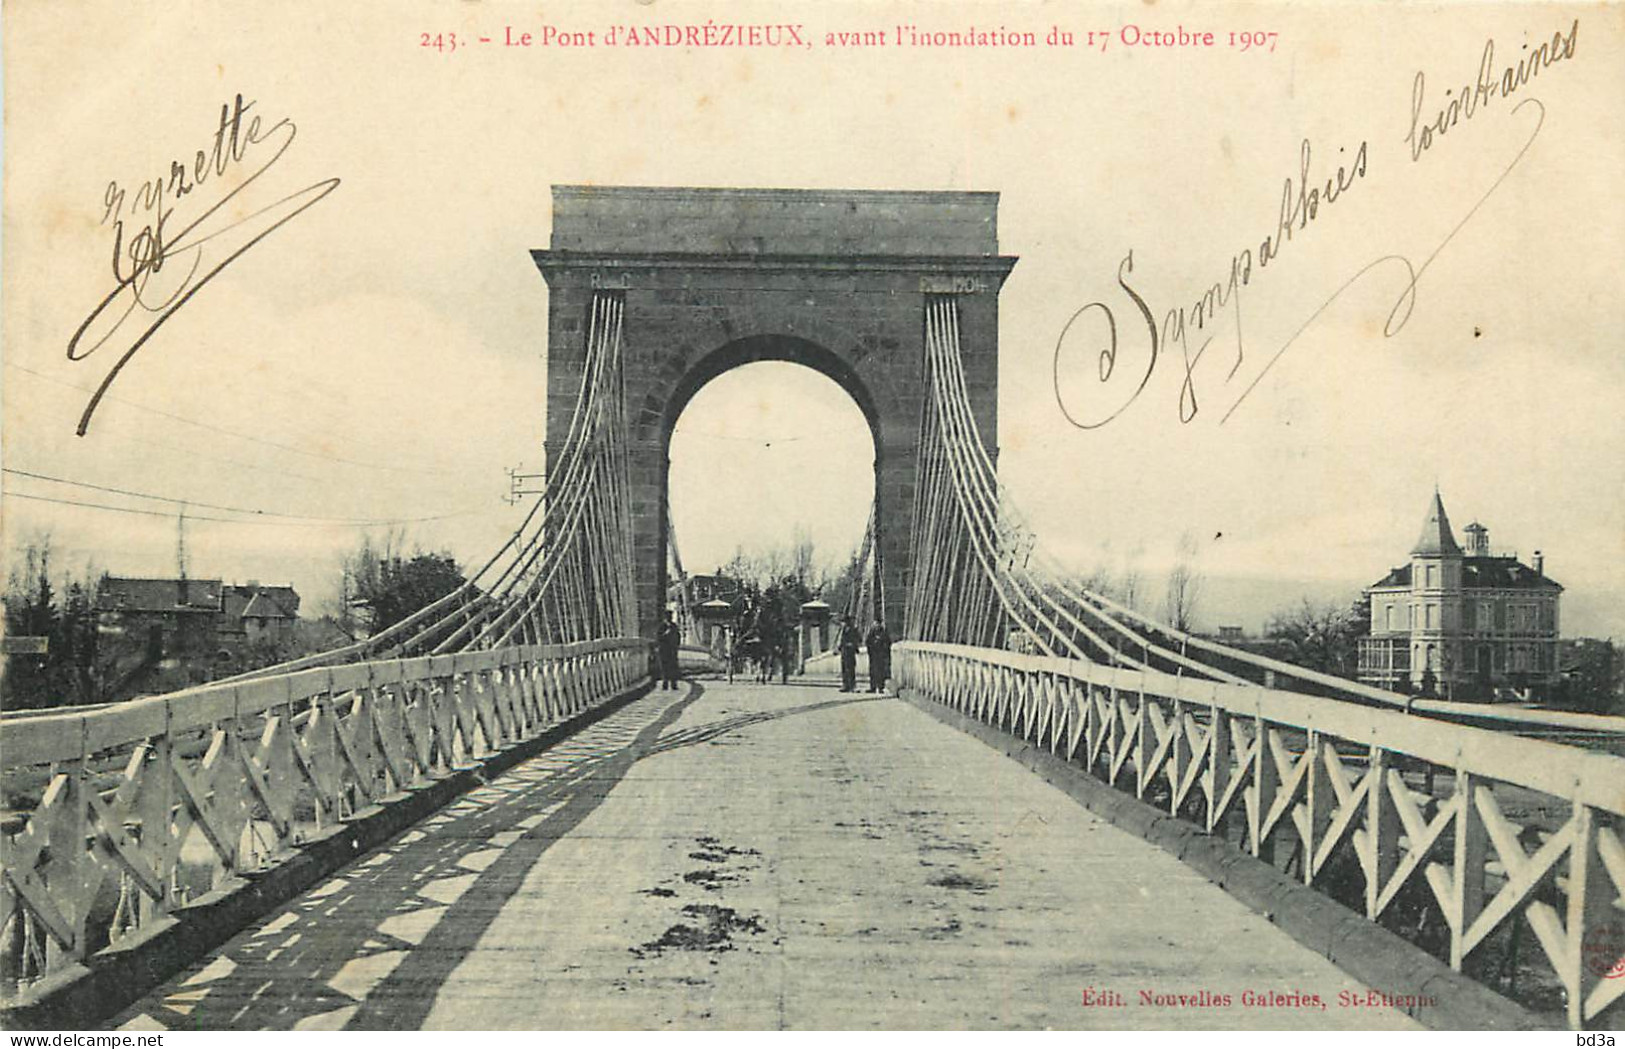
757	857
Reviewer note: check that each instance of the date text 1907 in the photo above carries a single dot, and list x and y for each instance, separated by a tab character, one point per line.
1180	38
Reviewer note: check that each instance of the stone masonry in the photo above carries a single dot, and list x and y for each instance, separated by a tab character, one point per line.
717	278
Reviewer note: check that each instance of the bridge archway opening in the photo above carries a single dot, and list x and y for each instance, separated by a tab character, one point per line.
692	282
769	442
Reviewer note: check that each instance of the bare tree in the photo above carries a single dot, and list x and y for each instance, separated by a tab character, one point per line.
1322	637
1184	585
360	570
803	563
1130	582
1118	578
797	560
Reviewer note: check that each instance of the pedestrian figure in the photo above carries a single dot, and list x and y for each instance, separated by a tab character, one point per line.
666	639
782	653
849	654
878	643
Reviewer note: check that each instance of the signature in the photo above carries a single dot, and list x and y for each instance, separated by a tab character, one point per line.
159	263
1302	203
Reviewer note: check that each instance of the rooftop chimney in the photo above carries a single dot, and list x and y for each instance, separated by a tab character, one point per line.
1540	563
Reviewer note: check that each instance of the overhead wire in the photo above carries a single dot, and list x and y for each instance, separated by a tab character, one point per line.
309	523
113	490
238	434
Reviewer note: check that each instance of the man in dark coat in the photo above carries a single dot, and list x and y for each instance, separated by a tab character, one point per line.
666	640
878	643
848	645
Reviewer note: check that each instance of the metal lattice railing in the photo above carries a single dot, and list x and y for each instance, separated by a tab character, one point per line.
139	806
1333	781
118	815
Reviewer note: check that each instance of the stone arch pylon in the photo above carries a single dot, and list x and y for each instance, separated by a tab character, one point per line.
716	278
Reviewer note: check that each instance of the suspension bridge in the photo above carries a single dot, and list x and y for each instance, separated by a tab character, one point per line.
482	816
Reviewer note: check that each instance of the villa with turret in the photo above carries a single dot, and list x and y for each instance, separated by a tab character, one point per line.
1467	624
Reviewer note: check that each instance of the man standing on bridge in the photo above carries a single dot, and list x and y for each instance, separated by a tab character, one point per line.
878	643
848	645
666	639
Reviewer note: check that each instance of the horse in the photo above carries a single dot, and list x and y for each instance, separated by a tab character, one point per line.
765	656
749	653
765	644
778	648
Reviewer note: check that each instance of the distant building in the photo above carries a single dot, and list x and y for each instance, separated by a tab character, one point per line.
253	612
195	618
1466	623
684	596
703	588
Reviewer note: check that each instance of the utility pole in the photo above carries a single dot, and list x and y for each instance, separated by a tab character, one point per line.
519	484
180	556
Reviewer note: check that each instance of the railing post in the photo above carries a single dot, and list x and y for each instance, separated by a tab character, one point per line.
1379	849
315	747
535	711
1467	888
1218	770
456	688
1595	927
1179	757
1261	794
65	856
1319	796
156	802
1145	747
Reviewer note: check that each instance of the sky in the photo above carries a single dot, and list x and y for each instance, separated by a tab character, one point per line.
764	453
379	361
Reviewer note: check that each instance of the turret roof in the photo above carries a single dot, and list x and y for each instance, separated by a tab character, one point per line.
1436	540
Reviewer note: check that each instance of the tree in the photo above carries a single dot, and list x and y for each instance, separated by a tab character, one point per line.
1184	585
741	569
382	585
803	566
774	582
64	674
79	641
1593	676
1129	583
1360	620
842	587
1323	637
30	612
793	567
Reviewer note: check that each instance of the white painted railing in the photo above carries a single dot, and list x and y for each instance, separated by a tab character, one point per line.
1330	779
110	805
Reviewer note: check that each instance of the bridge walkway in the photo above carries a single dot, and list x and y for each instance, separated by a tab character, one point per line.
748	856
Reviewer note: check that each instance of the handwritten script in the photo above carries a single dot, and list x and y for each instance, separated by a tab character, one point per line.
159	260
1121	374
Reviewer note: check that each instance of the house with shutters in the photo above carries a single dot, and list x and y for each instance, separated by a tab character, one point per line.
1463	622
